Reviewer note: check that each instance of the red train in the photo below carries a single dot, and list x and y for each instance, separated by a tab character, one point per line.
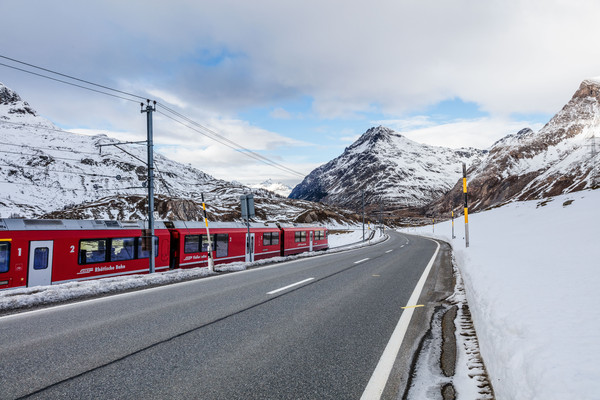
45	252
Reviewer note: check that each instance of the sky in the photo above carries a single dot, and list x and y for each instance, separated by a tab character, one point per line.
298	81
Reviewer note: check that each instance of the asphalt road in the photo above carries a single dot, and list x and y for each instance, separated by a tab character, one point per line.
235	336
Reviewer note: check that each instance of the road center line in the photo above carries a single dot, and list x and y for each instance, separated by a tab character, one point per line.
359	261
380	376
289	286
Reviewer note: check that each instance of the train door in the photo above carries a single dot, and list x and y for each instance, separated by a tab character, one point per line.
40	263
310	240
250	247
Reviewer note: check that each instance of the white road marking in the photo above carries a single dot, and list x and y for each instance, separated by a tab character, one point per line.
289	286
363	260
380	376
389	251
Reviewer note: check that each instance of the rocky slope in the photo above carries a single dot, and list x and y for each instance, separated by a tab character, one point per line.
49	173
390	169
529	165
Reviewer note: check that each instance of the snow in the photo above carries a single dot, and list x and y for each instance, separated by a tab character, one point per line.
531	278
44	295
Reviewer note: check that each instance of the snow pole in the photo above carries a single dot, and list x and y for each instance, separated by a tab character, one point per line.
452	224
464	166
211	264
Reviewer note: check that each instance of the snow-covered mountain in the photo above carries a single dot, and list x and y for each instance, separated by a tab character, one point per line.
529	165
390	169
276	187
46	172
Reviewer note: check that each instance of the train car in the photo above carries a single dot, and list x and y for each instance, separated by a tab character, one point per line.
230	242
45	252
297	239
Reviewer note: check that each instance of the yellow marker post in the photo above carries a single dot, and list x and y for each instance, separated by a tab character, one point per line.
415	306
466	207
211	264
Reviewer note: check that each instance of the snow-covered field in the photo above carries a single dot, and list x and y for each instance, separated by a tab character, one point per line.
35	296
532	278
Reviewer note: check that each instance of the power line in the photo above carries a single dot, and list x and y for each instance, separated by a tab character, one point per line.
67	83
40	155
69	76
59	171
73	189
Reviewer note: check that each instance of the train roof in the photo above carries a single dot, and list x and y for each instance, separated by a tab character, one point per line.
17	224
9	224
216	225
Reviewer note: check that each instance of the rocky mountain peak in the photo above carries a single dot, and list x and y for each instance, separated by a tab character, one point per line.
14	102
588	88
374	136
8	96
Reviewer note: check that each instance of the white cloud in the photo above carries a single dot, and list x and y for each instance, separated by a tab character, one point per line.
507	56
480	133
280	113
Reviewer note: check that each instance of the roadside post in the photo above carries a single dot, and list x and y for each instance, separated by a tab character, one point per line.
464	166
247	203
453	225
211	263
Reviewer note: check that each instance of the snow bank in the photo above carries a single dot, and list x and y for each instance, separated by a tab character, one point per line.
532	279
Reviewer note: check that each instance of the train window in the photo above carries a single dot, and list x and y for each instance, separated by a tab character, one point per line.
191	244
4	256
144	251
122	249
319	235
40	258
270	238
205	242
267	239
300	236
222	242
92	251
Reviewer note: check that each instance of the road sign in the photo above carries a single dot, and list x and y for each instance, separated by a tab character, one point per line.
247	201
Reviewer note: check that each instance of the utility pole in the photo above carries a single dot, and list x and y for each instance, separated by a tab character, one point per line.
149	109
464	166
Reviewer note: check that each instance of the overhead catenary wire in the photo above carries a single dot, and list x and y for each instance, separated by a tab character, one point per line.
68	189
67	76
57	171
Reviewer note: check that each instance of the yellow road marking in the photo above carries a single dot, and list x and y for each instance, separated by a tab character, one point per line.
418	305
